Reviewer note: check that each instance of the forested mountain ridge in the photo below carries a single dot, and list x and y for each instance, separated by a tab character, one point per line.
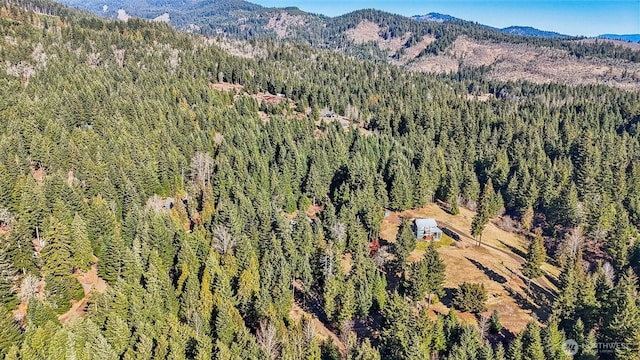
175	168
450	46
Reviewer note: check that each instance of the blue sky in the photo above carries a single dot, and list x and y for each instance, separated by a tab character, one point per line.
571	17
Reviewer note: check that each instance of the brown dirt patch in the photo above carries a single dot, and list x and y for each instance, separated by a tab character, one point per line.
630	45
89	281
365	32
314	210
415	50
322	332
346	263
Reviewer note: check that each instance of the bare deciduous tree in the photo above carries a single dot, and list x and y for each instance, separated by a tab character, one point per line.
6	219
381	257
266	337
574	242
201	167
29	288
338	231
222	240
609	272
309	330
327	260
118	55
483	326
599	233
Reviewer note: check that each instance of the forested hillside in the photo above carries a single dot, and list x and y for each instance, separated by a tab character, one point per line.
215	201
440	47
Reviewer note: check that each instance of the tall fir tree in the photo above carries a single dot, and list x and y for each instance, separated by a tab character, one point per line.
536	254
405	243
82	253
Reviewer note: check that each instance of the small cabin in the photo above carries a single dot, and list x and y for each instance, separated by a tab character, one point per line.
427	229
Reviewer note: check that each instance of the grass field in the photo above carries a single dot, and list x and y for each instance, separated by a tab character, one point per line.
496	264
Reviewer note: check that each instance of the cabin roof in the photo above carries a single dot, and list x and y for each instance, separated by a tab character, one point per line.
426	223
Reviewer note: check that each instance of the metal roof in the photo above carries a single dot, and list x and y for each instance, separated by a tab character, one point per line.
426	223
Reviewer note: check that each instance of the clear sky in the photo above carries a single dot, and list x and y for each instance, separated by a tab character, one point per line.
571	17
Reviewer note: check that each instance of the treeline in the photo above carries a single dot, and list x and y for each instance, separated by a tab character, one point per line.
114	145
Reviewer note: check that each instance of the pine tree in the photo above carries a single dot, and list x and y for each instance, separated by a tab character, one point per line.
56	254
110	264
117	332
477	226
10	334
470	297
6	187
8	275
623	314
82	254
536	254
631	347
488	205
427	276
515	351
499	353
20	249
495	325
553	340
405	243
532	343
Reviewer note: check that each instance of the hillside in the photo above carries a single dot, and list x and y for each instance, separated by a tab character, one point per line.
169	195
530	31
435	43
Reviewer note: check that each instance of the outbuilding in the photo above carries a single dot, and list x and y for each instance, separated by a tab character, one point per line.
427	229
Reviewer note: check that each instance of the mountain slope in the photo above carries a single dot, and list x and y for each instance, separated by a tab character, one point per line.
635	38
435	43
530	31
222	194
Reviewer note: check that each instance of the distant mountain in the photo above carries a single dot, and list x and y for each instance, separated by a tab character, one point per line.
513	30
434	17
530	31
629	37
369	34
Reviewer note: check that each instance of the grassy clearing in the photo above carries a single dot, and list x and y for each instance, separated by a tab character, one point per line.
496	264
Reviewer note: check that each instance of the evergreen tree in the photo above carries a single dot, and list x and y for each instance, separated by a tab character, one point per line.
623	315
110	264
427	276
515	351
536	254
470	297
6	187
56	254
532	343
553	341
20	249
405	243
7	277
82	254
495	326
10	334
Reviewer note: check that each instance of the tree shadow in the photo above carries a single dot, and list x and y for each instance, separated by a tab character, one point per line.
494	276
514	249
541	296
447	298
525	303
552	279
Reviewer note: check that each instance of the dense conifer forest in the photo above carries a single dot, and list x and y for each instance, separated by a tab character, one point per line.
210	214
